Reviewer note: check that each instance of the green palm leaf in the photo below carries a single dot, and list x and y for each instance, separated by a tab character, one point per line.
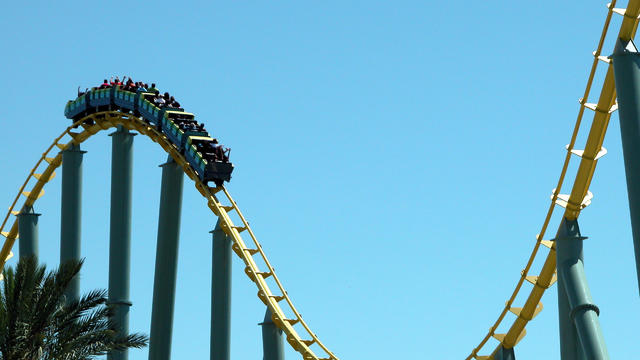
38	322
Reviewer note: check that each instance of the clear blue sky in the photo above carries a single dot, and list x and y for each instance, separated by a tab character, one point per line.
394	158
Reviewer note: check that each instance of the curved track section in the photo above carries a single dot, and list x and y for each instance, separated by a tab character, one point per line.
577	199
298	333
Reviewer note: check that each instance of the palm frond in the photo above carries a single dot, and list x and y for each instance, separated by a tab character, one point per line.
37	322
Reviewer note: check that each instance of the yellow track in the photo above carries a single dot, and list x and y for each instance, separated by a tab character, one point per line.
579	196
246	252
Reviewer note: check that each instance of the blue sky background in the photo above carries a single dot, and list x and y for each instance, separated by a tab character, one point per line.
395	159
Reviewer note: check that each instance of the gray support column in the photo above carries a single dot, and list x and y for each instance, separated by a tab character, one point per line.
626	65
164	284
505	354
220	295
120	232
71	212
28	232
583	313
570	348
569	344
272	344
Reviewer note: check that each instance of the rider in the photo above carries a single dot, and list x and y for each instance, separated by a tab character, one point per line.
219	151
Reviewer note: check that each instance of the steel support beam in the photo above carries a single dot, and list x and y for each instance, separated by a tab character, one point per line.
504	354
120	232
583	312
28	232
569	345
164	284
71	212
272	344
220	295
626	64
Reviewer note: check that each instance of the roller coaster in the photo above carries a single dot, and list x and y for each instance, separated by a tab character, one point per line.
580	334
102	117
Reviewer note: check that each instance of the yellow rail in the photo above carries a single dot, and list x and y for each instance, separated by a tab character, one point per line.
579	196
292	327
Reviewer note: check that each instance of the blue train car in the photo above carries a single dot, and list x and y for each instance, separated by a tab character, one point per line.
100	97
178	125
204	162
147	109
124	99
175	135
193	156
76	107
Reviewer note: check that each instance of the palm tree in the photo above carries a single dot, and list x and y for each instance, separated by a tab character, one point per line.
36	321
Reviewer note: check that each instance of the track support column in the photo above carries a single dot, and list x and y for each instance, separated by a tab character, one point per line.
28	232
272	344
220	295
626	64
164	284
71	212
120	232
570	348
504	354
583	312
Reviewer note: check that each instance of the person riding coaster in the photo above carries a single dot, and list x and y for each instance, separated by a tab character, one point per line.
219	151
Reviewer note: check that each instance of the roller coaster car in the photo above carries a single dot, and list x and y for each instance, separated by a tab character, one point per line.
101	98
147	109
77	108
124	99
171	122
207	164
218	171
190	137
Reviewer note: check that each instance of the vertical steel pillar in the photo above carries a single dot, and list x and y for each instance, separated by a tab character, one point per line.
28	232
272	344
220	295
569	345
71	212
626	65
164	284
505	354
120	232
583	312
